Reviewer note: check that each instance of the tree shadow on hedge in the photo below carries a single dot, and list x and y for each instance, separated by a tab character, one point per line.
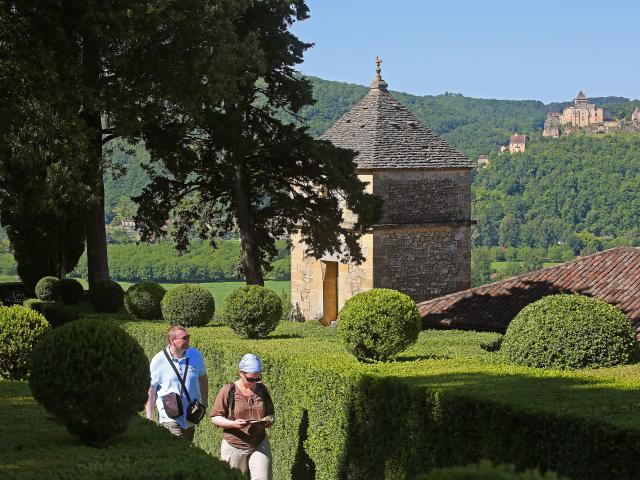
580	427
304	467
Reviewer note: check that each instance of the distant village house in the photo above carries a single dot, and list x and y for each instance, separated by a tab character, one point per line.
517	143
635	116
483	161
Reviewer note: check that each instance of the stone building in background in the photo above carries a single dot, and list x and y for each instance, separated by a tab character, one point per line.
635	116
583	114
517	143
422	244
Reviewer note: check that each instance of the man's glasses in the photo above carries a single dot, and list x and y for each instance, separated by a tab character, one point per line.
252	380
186	337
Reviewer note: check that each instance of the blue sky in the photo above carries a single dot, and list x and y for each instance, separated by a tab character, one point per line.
541	50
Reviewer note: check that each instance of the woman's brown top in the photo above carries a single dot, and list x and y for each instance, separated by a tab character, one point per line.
253	407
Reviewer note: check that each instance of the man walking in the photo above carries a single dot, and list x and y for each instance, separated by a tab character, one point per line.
166	390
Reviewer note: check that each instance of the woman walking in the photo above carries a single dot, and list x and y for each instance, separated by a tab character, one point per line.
244	410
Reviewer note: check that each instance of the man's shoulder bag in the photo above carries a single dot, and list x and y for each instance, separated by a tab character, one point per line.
172	402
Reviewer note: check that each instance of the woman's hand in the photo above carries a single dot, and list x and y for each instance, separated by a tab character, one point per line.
268	421
240	423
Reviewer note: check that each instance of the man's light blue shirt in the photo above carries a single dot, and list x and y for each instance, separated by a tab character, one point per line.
165	380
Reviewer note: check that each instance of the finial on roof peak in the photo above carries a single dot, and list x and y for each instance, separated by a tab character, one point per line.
378	83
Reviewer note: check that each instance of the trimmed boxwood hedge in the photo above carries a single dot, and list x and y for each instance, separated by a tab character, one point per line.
486	471
21	329
92	376
48	289
569	332
378	324
445	402
252	311
106	296
189	305
71	291
40	449
143	299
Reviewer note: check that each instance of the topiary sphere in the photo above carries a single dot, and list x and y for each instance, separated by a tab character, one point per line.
92	376
378	324
48	289
485	470
106	296
253	311
188	305
143	300
20	330
569	332
71	291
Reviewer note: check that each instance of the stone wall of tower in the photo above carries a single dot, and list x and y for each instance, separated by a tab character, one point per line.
421	245
423	262
418	196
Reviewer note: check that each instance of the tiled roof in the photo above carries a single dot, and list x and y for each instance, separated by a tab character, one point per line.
612	275
581	95
518	139
387	135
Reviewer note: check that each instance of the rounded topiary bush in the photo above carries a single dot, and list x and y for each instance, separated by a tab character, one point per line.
20	330
92	376
143	300
378	324
253	311
55	312
48	289
188	305
569	332
71	291
106	296
486	471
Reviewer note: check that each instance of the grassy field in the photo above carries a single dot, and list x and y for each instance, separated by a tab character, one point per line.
219	290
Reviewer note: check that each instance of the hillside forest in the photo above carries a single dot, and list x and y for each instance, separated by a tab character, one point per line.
578	193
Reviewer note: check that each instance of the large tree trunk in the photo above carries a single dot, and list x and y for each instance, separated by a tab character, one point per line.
248	241
97	260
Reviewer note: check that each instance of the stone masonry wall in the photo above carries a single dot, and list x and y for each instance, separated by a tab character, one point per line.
307	275
424	196
423	262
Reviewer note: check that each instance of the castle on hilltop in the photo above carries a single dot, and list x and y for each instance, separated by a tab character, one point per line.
581	114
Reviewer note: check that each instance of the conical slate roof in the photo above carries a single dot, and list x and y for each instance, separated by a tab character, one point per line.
387	135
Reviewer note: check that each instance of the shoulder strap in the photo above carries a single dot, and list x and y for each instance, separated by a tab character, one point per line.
231	399
267	397
182	380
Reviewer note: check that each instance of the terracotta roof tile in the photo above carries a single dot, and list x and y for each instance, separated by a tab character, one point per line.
612	275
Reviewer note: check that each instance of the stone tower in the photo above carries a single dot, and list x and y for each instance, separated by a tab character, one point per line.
422	244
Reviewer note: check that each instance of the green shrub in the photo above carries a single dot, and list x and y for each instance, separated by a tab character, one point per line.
188	305
71	291
48	289
569	332
20	330
252	311
446	403
378	324
92	376
106	296
42	450
143	300
55	313
486	471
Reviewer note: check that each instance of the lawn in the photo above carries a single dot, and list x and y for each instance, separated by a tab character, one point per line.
219	290
34	447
